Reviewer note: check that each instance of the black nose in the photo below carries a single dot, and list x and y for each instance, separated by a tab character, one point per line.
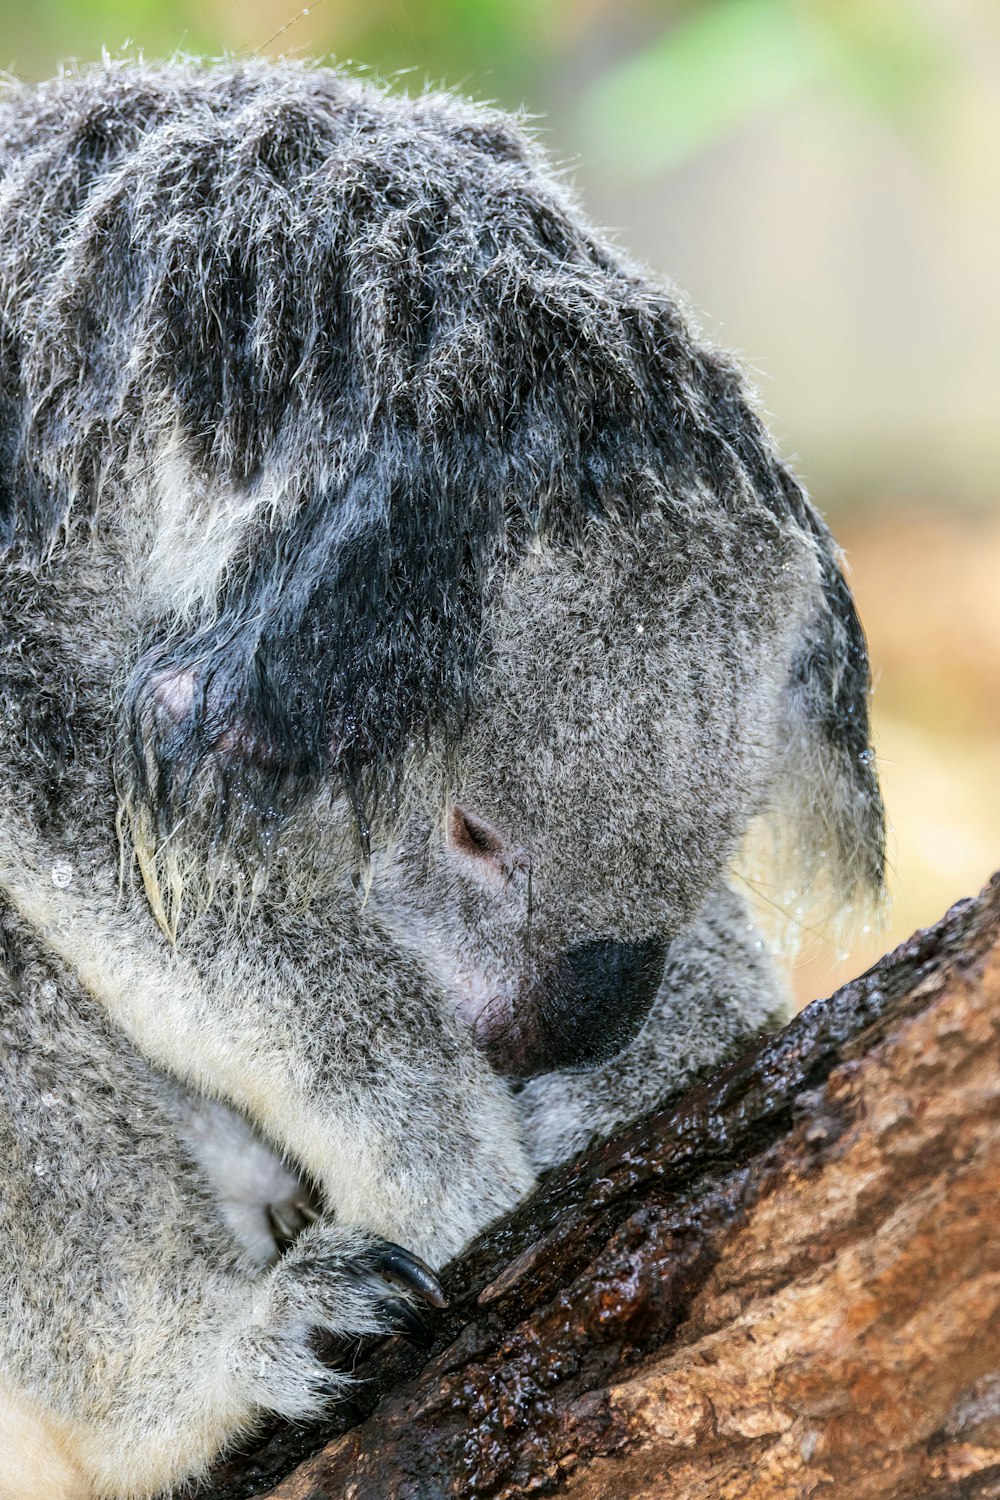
596	1001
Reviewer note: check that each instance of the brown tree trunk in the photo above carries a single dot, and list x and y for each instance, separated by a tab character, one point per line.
786	1284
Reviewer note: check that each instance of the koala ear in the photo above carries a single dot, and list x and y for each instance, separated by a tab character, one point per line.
827	793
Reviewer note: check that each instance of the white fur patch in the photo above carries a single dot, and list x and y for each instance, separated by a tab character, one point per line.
246	1174
36	1460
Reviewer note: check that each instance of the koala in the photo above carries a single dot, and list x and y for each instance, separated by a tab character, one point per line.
406	623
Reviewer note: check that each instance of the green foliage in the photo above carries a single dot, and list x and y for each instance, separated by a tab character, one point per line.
890	54
695	69
36	39
731	59
695	82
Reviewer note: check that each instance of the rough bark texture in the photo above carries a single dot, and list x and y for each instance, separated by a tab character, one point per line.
786	1284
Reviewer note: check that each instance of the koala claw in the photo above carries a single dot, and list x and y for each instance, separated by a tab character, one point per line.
335	1280
395	1264
287	1220
407	1321
349	1282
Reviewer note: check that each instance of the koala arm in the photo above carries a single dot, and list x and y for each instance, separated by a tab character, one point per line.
335	1045
138	1337
353	1063
720	988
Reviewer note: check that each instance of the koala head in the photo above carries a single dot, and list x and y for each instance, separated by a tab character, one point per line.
384	478
625	729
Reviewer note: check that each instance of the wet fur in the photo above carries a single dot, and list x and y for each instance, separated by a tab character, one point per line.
349	477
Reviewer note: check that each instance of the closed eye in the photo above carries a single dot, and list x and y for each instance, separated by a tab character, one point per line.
472	835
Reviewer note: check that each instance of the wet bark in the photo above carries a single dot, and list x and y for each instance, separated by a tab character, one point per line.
785	1284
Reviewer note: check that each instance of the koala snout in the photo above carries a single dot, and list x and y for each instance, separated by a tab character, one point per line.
586	1010
597	1000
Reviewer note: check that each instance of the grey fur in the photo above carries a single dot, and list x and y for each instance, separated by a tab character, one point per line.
395	583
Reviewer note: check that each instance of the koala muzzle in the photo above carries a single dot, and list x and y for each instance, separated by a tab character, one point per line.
588	1008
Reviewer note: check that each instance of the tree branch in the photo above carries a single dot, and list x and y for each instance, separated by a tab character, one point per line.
787	1283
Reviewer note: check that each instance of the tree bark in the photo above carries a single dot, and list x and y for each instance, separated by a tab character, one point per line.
785	1284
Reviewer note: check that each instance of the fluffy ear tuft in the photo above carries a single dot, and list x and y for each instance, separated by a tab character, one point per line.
826	796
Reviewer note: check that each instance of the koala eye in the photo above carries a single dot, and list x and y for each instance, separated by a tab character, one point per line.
472	835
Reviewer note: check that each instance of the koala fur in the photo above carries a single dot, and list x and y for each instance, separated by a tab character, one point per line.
404	621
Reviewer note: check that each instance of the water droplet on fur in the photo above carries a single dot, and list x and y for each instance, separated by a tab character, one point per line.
866	757
62	874
843	955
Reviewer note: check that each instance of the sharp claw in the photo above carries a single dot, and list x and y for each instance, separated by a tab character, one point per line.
287	1220
401	1266
283	1232
407	1321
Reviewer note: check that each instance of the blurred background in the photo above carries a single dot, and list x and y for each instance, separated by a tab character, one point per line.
822	177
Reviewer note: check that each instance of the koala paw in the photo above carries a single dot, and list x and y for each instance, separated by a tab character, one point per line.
347	1281
337	1281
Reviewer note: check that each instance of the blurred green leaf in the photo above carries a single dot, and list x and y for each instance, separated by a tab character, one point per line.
888	53
696	82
